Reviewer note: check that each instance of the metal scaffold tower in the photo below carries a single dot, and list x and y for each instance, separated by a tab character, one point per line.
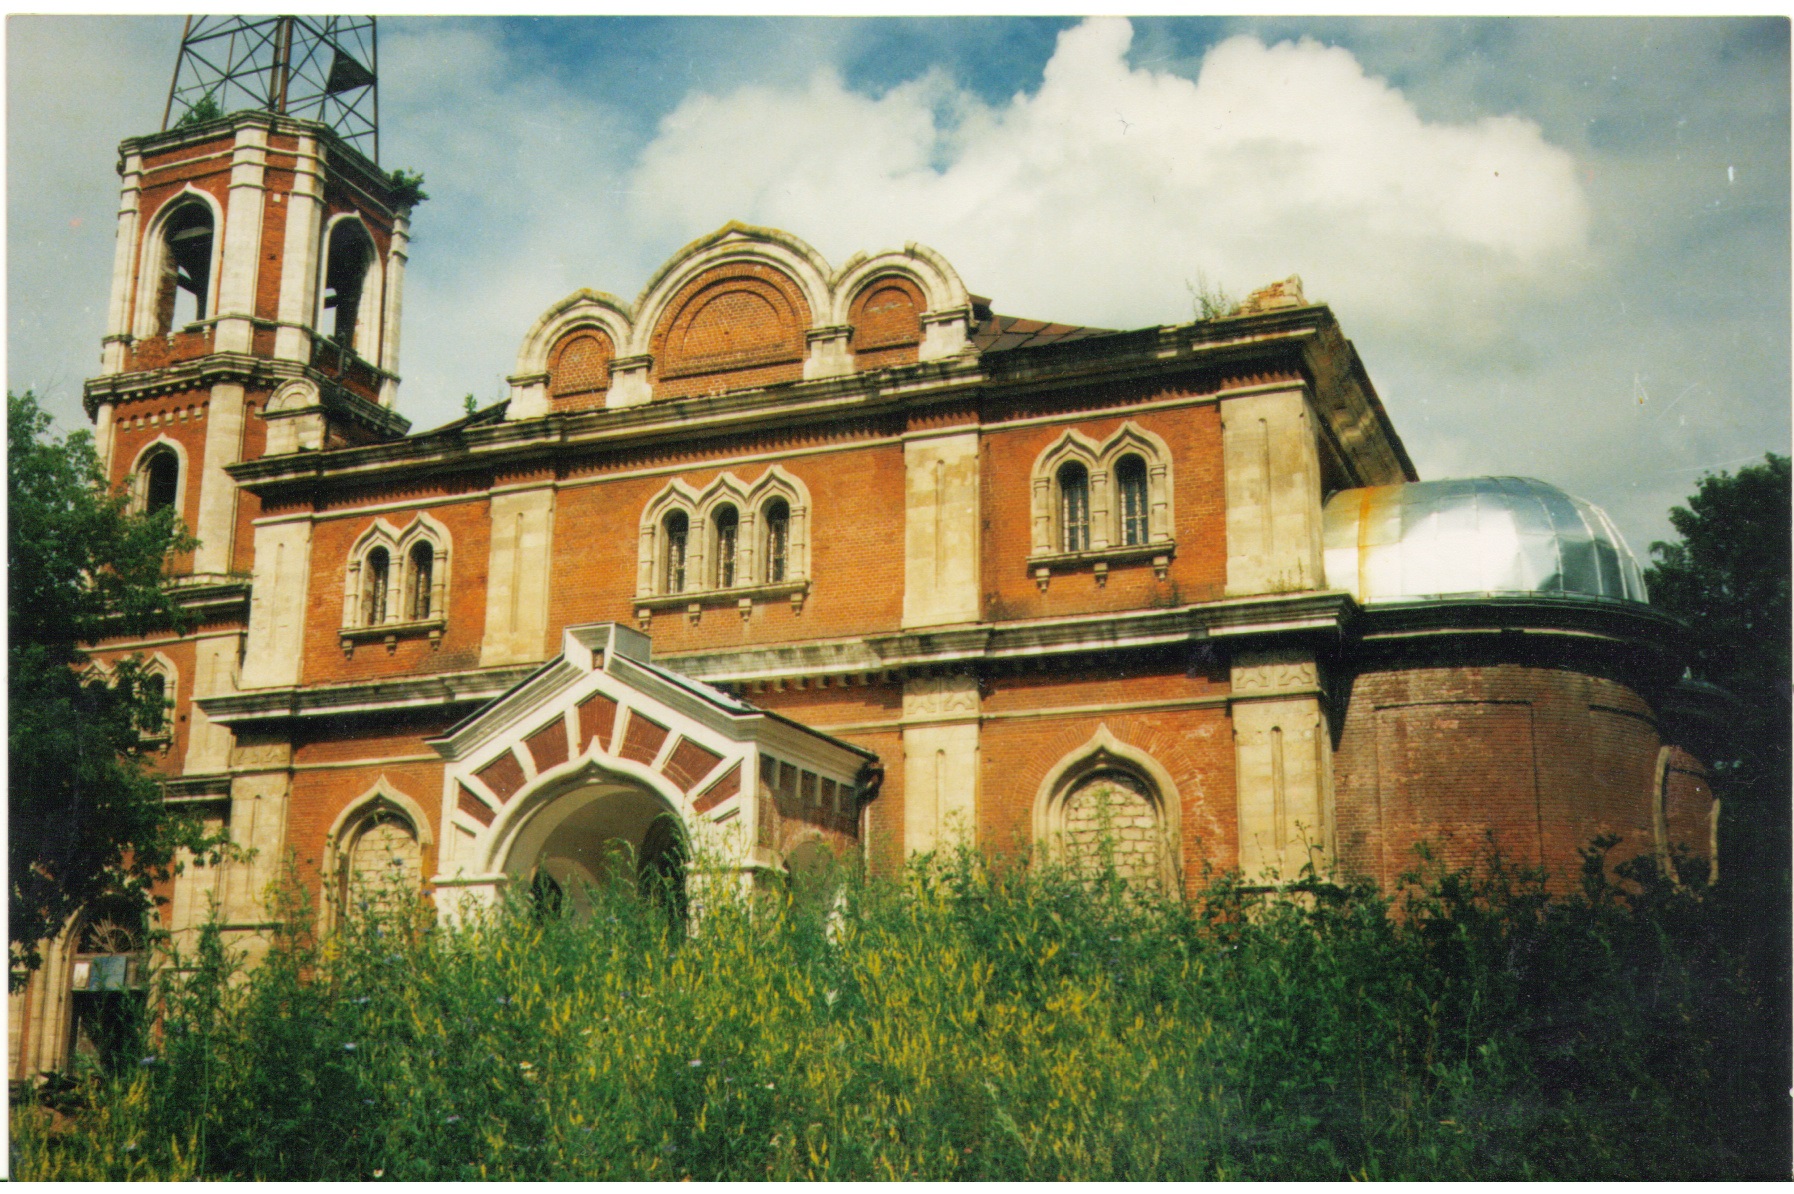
322	68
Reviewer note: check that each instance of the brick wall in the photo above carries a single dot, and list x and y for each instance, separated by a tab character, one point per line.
1199	569
469	557
1543	759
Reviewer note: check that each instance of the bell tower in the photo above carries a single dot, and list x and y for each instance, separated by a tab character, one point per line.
257	275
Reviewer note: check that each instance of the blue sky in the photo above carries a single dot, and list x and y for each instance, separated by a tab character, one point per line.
1562	247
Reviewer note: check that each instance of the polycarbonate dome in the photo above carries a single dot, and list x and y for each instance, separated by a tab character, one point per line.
1493	535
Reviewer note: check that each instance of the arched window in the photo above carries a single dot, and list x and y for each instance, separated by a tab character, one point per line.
678	528
155	692
186	280
374	575
1108	807
419	575
778	540
161	480
1130	491
1074	507
727	523
107	977
381	865
351	257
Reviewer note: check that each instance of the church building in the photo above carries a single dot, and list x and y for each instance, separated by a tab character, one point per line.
786	559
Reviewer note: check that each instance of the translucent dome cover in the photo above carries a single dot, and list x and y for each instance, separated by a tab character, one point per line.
1479	535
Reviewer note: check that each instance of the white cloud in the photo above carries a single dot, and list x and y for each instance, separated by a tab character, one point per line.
1096	198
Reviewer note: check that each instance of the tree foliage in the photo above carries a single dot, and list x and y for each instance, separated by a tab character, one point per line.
86	816
1728	579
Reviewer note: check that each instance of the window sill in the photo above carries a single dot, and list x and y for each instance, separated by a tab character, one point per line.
391	633
1098	560
742	597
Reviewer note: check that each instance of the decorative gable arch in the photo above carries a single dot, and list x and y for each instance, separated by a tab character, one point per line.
587	753
584	313
732	244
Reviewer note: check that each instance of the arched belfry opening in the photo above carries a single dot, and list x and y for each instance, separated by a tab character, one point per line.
603	768
349	265
186	281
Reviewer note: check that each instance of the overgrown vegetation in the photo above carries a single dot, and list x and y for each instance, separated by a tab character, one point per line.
978	1020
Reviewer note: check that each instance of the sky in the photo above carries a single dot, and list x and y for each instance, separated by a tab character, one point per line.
1561	247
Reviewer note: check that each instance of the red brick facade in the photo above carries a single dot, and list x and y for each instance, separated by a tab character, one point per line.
899	604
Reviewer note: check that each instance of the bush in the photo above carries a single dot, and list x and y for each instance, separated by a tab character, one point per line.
980	1019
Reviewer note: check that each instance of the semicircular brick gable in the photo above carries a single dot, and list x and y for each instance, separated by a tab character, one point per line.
738	325
579	369
886	316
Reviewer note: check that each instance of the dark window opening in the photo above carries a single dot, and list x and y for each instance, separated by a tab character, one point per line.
418	582
351	255
1130	480
155	693
373	587
161	481
727	523
778	539
677	527
1074	507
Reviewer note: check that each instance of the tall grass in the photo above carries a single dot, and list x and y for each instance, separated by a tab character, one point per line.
977	1019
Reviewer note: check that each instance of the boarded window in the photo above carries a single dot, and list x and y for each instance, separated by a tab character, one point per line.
1110	820
382	863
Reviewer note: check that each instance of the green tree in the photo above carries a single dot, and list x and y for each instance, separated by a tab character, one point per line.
86	817
1728	578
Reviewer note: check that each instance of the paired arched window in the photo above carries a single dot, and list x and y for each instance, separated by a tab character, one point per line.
397	578
729	537
1092	499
